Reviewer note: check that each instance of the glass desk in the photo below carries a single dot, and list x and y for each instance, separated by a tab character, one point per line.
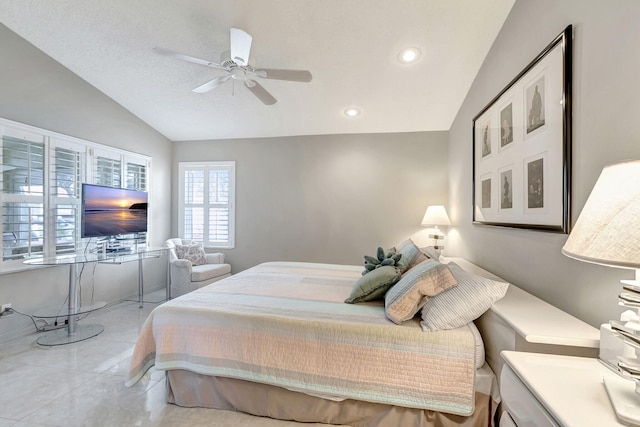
73	332
139	255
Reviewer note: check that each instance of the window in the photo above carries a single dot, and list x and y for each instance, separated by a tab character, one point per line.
207	202
42	176
22	194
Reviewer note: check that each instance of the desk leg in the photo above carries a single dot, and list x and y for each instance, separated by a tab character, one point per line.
140	282
73	299
72	333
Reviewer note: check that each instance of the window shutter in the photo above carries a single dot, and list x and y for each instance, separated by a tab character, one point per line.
207	202
65	192
108	172
136	177
22	197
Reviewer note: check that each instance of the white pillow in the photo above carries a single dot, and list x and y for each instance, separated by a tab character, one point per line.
431	252
463	303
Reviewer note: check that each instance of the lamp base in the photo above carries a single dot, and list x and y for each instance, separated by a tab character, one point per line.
624	399
436	238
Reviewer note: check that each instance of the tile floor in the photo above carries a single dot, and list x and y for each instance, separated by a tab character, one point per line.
82	384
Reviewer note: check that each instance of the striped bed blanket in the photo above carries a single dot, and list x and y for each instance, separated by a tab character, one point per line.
285	324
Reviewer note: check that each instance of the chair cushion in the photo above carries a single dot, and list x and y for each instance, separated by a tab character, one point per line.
203	272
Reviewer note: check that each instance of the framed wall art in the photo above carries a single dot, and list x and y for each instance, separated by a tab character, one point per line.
522	146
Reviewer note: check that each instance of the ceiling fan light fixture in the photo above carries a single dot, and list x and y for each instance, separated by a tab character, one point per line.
352	112
409	55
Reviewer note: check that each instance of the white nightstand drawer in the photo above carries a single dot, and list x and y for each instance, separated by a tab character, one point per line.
521	404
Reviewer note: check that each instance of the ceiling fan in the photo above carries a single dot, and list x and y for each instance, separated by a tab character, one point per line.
235	62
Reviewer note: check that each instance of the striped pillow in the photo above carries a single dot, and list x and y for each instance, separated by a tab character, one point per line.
463	304
406	298
411	255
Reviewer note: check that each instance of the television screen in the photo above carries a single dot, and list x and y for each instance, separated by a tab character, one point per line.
108	211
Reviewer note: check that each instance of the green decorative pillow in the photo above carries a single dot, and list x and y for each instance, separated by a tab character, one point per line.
373	285
382	259
417	286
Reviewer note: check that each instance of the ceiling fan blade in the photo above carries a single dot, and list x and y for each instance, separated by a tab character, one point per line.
240	46
260	92
212	84
289	75
167	52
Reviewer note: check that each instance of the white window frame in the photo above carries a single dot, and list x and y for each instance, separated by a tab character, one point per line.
74	200
89	151
182	205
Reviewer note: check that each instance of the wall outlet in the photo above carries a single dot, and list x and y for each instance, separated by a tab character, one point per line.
5	307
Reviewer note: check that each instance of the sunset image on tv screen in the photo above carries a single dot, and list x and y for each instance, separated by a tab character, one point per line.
110	211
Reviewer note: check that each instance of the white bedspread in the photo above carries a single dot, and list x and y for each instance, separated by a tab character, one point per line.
286	324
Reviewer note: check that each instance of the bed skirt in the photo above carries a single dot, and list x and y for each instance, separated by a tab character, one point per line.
189	389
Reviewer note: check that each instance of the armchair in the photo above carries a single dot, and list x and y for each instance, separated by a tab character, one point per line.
185	277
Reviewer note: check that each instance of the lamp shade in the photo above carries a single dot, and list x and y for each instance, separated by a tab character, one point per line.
608	228
435	215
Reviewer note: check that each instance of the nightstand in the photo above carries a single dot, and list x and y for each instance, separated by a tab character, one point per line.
541	390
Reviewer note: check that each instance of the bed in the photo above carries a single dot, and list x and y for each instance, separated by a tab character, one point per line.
277	340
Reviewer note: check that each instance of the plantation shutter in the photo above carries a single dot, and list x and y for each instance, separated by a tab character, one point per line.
207	203
22	195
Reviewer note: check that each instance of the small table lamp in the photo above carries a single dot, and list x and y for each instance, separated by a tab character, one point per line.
434	216
607	232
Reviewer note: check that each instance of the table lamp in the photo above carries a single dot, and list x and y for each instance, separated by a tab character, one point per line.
434	216
607	232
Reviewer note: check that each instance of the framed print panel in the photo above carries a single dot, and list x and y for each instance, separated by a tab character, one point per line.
506	126
522	147
506	188
536	175
535	108
487	202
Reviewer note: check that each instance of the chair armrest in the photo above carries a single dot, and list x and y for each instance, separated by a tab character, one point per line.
215	258
181	263
180	273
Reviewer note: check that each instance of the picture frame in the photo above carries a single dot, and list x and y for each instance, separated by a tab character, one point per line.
522	146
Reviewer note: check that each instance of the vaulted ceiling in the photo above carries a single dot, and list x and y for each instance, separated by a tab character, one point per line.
351	48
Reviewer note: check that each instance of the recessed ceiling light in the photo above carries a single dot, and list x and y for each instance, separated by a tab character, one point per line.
408	55
352	112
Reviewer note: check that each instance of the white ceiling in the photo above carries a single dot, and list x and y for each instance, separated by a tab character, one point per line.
350	47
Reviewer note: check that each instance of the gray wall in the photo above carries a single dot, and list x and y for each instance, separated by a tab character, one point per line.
329	198
36	90
606	129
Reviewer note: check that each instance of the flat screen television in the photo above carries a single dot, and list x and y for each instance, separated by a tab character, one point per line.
108	211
